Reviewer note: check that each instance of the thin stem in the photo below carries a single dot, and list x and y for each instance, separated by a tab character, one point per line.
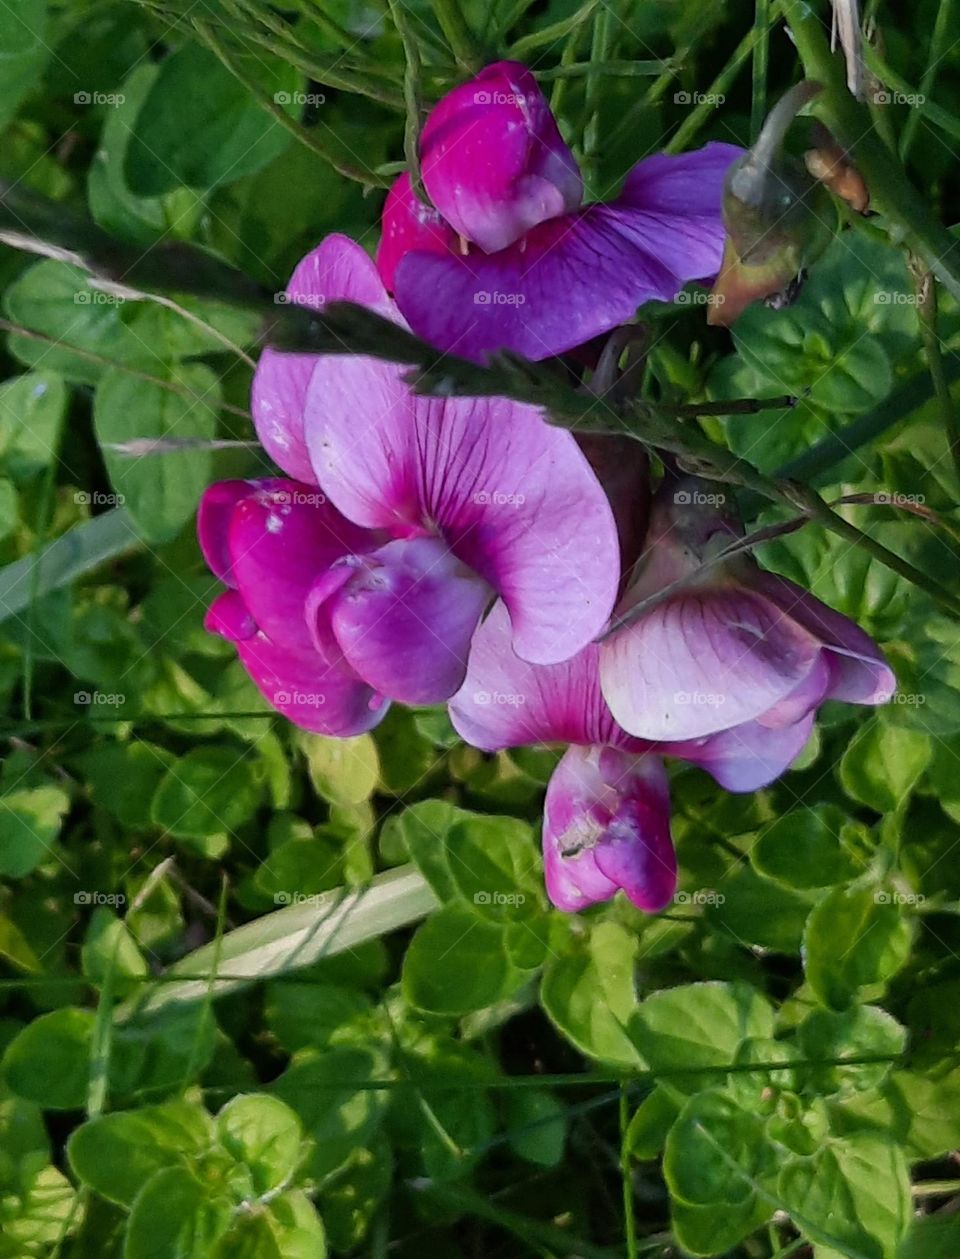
891	192
927	316
458	34
708	99
935	54
412	95
761	57
629	1213
599	52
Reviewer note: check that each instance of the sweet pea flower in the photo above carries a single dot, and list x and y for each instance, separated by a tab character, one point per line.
734	643
507	257
606	821
426	511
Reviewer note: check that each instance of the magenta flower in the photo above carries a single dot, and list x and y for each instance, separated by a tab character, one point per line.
429	510
509	258
606	813
735	644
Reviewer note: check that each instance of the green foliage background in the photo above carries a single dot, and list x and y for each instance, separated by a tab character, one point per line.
405	1049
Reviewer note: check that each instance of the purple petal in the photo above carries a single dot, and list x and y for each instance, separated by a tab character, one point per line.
213	524
324	696
606	825
505	702
405	617
493	160
282	536
705	661
513	497
859	673
574	277
337	270
747	757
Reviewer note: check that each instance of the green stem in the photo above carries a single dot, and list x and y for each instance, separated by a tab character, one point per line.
412	95
707	104
761	57
891	192
458	34
927	316
935	54
599	52
629	1213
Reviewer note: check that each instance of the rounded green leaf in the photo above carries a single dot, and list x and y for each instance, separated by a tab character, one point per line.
263	1133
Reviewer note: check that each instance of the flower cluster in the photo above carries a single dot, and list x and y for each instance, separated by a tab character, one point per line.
424	551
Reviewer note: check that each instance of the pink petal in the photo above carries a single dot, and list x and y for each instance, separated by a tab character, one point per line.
321	695
574	277
859	673
505	702
337	270
606	825
213	524
282	536
230	617
747	757
704	661
493	160
405	617
409	223
513	497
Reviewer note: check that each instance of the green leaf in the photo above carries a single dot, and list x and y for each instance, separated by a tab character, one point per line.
883	764
110	949
854	938
699	1025
327	1092
199	127
32	408
494	864
48	1203
931	1237
311	1013
30	821
855	1192
349	1202
590	995
717	1228
857	1032
209	792
419	833
175	1216
804	849
288	1229
161	491
263	1133
650	1124
117	1154
710	1132
920	1112
343	771
759	912
123	778
457	962
537	1126
49	1061
55	298
24	50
